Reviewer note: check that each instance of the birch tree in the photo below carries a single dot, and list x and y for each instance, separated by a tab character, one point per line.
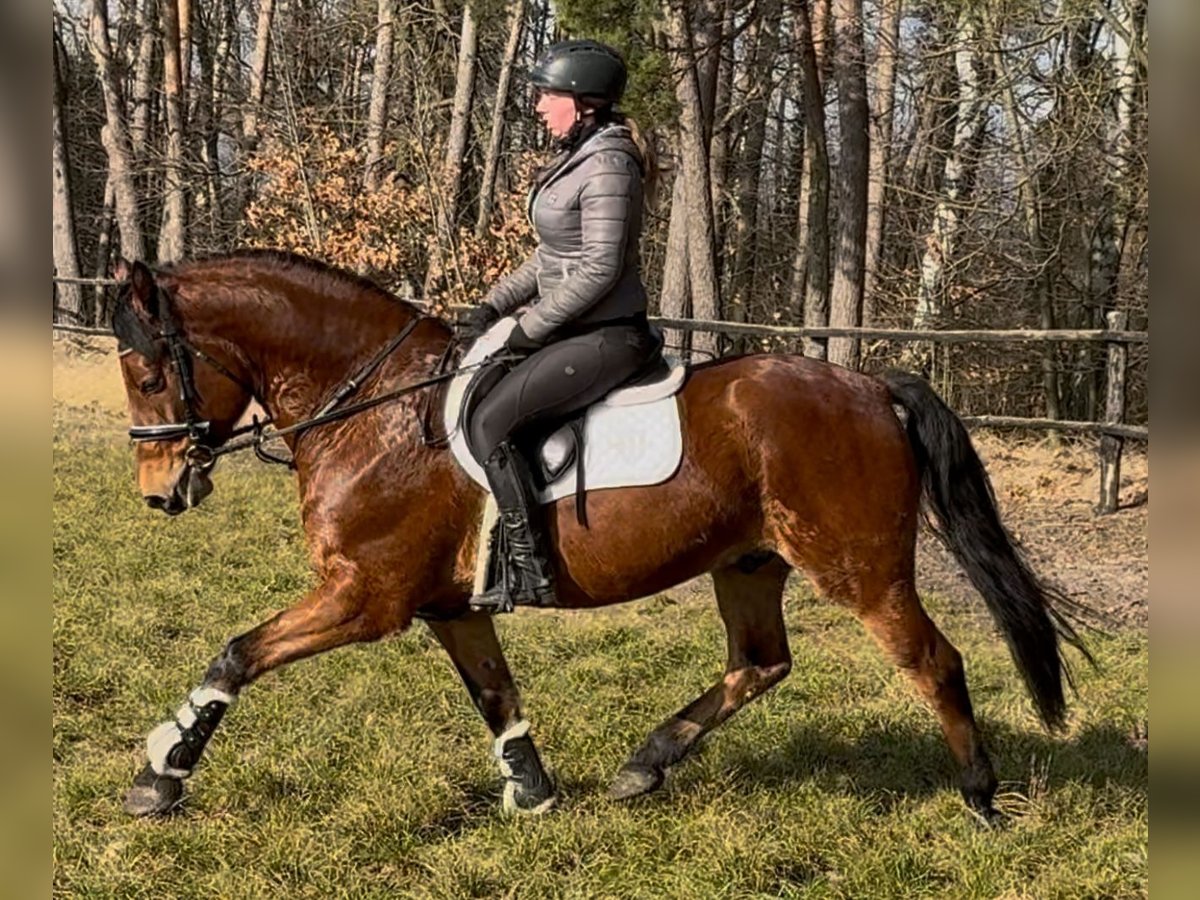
380	80
143	77
959	174
66	251
257	74
115	136
171	237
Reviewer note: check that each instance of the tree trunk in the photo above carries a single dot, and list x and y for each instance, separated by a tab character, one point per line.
100	267
184	17
143	78
1111	230
883	118
212	148
255	91
810	270
258	74
718	158
697	190
380	79
763	41
171	238
66	250
818	28
675	293
456	145
850	69
487	189
1028	192
115	137
959	173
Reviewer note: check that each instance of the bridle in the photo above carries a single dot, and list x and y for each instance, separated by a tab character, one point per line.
201	454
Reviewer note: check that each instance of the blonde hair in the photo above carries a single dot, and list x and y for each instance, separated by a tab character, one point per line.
644	141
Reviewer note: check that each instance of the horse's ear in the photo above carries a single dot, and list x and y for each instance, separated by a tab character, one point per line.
141	294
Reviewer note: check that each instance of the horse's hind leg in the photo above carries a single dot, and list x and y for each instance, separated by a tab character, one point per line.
471	643
750	600
911	639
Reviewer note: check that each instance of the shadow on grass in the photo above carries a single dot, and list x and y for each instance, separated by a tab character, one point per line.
477	802
912	762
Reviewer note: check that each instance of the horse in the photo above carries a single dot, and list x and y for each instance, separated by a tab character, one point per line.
789	463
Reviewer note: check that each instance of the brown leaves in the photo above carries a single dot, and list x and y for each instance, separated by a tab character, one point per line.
387	233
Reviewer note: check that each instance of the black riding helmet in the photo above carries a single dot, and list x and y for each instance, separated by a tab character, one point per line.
587	69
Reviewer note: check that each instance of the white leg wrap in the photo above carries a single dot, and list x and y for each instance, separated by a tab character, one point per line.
164	738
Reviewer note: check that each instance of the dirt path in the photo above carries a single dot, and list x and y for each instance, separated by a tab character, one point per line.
1047	498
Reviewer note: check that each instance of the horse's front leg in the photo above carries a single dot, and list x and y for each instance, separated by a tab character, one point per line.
333	614
471	642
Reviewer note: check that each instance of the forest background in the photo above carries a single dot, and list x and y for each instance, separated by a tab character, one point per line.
898	163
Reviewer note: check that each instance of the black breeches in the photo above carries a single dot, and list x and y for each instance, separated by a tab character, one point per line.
558	380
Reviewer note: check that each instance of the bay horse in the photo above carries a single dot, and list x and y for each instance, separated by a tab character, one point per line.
789	463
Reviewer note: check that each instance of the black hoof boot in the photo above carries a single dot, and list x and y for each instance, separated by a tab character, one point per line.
153	794
635	780
528	789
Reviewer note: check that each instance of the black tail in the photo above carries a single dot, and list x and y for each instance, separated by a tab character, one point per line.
1030	613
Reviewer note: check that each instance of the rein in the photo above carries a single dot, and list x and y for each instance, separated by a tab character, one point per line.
254	436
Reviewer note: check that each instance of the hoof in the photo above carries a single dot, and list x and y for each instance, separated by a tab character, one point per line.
520	801
153	794
634	781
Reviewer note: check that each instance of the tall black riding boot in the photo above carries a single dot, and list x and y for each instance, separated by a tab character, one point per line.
525	568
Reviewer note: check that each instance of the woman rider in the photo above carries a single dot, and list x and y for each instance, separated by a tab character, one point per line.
580	297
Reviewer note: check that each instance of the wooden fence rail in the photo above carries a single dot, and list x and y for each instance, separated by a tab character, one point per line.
1113	429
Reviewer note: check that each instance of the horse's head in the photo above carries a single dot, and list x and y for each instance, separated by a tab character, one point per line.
180	410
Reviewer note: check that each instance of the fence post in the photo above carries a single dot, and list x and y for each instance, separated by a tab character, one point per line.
1114	414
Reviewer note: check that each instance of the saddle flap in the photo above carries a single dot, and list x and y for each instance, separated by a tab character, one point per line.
636	440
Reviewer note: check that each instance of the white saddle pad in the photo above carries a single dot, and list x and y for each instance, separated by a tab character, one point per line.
631	437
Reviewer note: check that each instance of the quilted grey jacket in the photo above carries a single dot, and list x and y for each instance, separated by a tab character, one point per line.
588	217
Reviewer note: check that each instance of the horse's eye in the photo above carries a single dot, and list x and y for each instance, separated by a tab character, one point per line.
151	385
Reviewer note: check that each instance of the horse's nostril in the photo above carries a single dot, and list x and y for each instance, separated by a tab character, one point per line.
154	501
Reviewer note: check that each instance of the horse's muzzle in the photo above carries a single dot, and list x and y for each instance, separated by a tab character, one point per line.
172	505
191	488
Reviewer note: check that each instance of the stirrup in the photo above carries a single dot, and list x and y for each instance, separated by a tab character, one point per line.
499	599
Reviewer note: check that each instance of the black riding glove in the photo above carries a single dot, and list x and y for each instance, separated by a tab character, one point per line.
519	342
471	324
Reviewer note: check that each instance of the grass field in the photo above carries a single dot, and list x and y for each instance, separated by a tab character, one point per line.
366	772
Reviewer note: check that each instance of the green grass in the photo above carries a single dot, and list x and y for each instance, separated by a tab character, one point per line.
366	772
